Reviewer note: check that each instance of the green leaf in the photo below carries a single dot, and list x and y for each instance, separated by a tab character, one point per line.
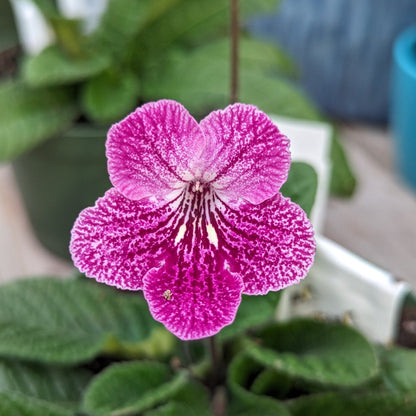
244	403
271	384
46	7
15	404
188	22
51	384
197	80
121	21
253	405
129	388
343	181
191	400
30	116
53	67
70	321
110	96
399	369
68	33
253	54
200	81
275	96
347	404
301	185
316	353
253	311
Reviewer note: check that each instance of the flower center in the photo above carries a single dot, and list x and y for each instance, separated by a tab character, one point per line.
195	210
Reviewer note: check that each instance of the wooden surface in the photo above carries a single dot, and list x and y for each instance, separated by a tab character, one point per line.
378	223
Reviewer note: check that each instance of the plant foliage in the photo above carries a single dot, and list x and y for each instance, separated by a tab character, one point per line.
73	321
61	343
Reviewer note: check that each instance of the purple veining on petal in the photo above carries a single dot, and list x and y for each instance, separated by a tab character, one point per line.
271	245
246	156
118	240
154	151
169	250
193	294
195	301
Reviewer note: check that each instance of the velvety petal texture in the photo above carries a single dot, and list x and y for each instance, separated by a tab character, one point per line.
271	245
119	240
154	150
195	219
195	302
246	156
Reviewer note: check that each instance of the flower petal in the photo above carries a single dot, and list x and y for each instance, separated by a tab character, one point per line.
193	294
246	156
194	300
271	245
154	150
118	240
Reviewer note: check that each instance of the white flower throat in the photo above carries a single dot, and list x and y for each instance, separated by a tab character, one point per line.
197	204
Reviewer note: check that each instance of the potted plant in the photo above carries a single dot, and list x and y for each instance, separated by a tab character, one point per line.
200	255
71	347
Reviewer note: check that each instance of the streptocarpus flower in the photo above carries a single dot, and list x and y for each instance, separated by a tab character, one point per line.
195	218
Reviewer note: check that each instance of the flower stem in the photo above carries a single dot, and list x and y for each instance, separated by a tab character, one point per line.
234	34
213	349
215	358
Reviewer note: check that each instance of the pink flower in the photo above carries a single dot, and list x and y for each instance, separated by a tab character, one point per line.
195	218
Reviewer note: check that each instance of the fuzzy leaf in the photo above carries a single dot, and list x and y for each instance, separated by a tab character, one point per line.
15	404
52	384
347	404
53	67
191	400
317	353
253	311
109	97
253	405
30	116
301	185
130	388
241	373
72	321
270	384
243	402
399	369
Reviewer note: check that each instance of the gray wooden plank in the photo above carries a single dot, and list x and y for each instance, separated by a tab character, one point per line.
379	222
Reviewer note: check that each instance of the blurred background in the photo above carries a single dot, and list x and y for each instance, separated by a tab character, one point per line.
71	68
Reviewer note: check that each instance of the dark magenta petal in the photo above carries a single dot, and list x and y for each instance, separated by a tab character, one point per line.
246	156
194	294
154	150
193	300
271	245
118	240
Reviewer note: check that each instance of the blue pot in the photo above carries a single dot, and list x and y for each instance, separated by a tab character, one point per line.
403	104
342	48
